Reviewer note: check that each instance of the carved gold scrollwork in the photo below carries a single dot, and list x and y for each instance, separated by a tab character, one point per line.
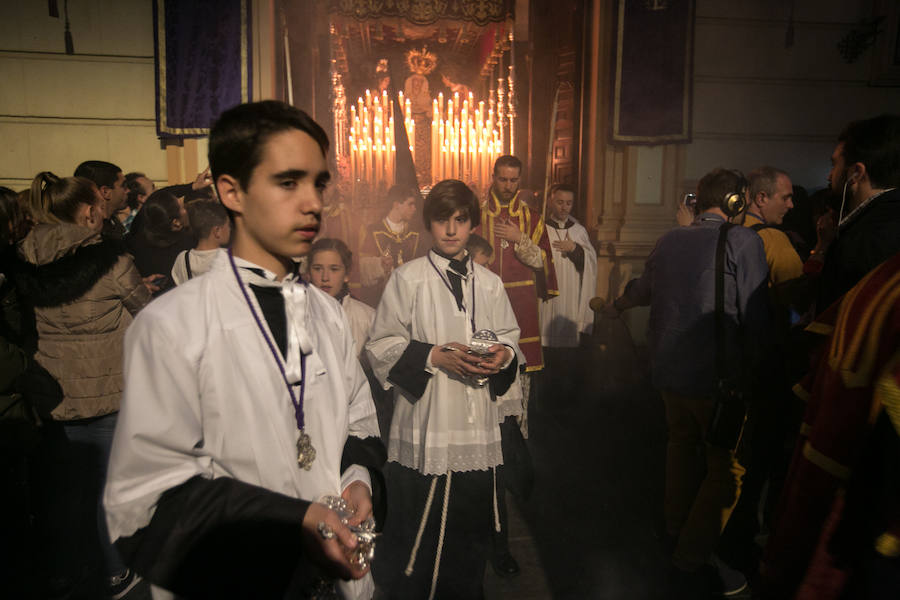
424	12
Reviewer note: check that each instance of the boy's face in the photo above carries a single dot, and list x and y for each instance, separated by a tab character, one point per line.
479	257
561	204
451	234
277	216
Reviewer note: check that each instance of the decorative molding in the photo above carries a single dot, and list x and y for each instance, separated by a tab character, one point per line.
781	81
771	23
61	56
765	137
81	121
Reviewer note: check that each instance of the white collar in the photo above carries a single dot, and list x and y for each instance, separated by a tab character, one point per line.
296	304
395	227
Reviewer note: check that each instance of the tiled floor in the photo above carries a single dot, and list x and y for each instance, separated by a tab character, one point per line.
587	531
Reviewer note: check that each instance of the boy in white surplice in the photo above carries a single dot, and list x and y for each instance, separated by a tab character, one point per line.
444	438
244	399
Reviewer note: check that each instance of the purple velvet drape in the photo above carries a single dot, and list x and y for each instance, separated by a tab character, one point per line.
653	72
203	62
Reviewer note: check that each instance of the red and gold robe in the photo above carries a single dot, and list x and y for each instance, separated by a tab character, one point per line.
832	487
526	287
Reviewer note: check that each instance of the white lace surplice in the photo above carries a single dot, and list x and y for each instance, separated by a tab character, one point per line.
453	426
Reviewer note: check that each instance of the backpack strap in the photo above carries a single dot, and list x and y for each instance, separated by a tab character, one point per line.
187	264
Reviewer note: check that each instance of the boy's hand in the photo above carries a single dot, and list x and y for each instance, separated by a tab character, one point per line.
499	354
359	498
455	358
329	554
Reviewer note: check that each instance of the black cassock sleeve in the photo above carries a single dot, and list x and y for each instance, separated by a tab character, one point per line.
409	373
577	257
501	381
369	453
222	538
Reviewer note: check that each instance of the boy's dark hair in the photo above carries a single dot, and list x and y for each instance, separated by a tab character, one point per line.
337	246
398	194
507	160
134	189
447	197
204	215
102	173
715	186
157	214
237	137
875	143
477	243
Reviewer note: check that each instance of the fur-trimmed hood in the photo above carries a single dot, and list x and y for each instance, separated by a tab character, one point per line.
59	263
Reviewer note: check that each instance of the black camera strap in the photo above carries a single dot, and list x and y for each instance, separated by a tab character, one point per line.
720	300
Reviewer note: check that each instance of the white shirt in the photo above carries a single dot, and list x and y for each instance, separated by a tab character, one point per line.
204	396
360	315
201	262
567	315
453	426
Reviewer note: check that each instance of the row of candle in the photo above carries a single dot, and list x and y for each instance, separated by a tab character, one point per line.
372	147
464	144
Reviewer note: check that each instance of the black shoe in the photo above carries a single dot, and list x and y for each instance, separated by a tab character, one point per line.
505	565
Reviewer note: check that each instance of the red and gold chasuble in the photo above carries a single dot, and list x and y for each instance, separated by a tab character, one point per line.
525	287
856	381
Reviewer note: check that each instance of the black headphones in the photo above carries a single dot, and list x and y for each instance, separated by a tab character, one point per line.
735	202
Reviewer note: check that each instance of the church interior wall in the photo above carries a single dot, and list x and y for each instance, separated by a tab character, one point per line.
57	110
755	102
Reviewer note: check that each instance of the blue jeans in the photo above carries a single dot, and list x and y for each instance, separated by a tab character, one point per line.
75	459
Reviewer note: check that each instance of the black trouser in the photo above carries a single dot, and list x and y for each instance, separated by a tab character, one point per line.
465	541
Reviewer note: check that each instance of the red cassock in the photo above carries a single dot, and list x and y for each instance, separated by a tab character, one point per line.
525	286
832	487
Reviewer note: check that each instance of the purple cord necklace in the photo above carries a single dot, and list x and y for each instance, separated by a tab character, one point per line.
306	454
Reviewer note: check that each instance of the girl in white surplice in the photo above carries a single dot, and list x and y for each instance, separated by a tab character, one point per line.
444	437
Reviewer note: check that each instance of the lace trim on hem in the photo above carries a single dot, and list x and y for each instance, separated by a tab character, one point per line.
454	458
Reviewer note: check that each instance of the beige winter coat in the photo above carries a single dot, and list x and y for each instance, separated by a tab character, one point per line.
85	290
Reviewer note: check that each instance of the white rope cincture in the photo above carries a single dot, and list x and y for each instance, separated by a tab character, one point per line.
437	559
496	510
415	549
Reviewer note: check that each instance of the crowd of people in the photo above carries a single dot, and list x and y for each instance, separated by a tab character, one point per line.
207	394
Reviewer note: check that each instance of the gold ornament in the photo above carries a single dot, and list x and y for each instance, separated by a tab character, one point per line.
421	62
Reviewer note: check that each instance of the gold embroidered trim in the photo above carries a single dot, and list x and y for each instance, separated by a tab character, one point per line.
827	464
800	392
887	392
515	284
887	544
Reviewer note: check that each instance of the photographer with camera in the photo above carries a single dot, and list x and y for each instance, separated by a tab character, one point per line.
701	356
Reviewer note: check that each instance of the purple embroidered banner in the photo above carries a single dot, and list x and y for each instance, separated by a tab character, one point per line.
652	74
203	63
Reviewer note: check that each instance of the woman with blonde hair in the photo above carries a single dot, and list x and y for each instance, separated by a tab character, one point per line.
84	289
